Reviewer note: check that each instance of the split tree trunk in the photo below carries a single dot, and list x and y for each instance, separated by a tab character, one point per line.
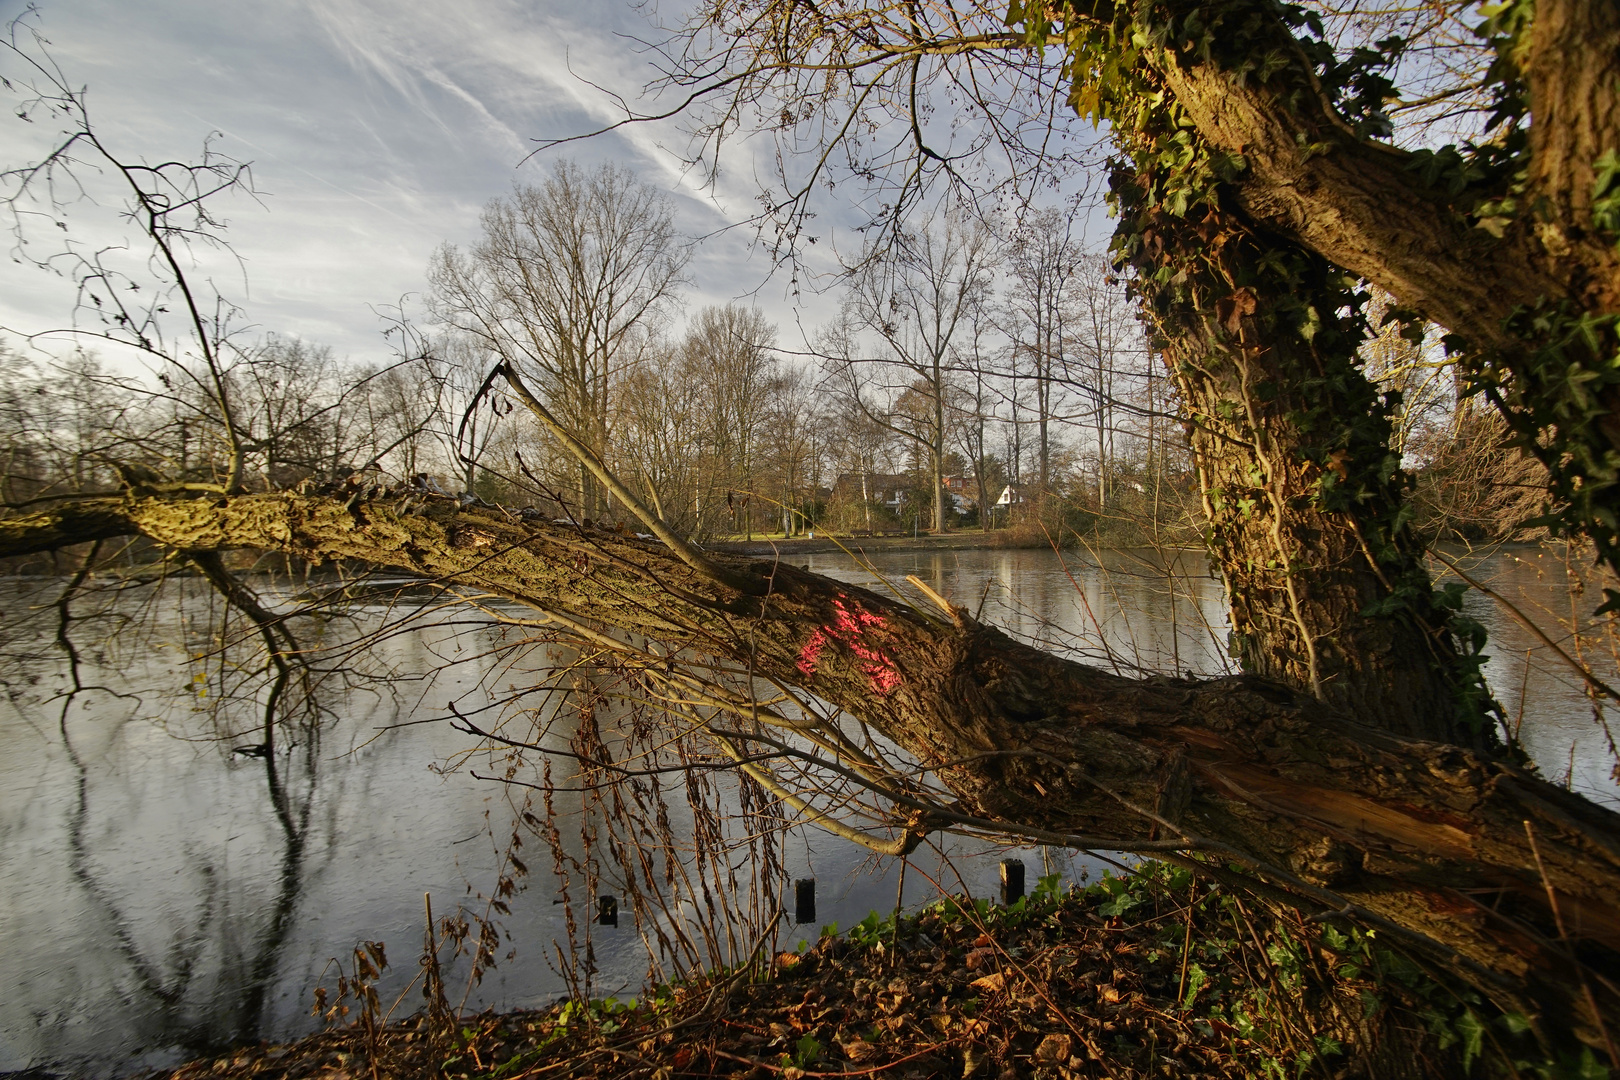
1531	301
1365	205
1428	841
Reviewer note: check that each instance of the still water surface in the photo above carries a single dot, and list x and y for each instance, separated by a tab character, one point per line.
154	906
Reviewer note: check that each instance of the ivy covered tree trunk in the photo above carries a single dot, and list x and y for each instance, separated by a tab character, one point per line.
1510	243
1303	493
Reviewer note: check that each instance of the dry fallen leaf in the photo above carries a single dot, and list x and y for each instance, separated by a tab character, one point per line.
1053	1050
990	984
858	1050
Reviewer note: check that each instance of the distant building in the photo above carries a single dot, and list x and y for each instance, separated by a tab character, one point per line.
884	489
889	490
964	493
1012	495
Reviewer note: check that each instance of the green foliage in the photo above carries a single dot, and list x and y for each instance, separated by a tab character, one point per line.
805	1052
1555	398
1048	889
871	930
1116	896
1606	194
1225	994
604	1013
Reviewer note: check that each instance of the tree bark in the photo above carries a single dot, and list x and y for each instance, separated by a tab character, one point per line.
1429	842
1327	587
1572	70
1365	206
1532	300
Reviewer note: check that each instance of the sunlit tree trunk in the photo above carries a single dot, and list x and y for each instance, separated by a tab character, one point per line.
1304	495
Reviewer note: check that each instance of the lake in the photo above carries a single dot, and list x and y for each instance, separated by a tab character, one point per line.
158	904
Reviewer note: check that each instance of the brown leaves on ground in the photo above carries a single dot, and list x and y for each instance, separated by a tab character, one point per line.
1065	992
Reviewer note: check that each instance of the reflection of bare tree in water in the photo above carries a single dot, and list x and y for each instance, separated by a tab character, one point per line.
289	705
290	688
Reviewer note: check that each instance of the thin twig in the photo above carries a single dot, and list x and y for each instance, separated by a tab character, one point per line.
1580	969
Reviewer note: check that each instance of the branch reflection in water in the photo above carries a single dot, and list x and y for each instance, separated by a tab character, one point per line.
167	895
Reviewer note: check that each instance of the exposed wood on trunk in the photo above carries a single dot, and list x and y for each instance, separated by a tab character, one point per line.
1424	839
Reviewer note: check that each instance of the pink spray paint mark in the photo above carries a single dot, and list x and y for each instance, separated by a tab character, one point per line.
849	628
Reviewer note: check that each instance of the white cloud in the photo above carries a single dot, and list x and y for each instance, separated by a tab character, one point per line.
377	129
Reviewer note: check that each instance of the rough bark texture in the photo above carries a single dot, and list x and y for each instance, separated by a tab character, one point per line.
1573	73
1426	840
1328	590
1533	308
1364	205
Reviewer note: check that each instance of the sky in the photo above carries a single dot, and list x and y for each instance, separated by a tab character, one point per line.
377	130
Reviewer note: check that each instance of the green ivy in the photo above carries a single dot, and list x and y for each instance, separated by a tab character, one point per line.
1173	197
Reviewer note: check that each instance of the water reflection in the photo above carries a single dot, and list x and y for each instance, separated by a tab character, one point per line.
163	896
1132	611
1565	730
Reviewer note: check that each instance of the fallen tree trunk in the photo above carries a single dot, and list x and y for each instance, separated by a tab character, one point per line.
1481	867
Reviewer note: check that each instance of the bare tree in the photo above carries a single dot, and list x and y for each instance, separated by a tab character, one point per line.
974	406
727	351
562	277
662	434
858	449
919	304
1109	362
1041	266
795	444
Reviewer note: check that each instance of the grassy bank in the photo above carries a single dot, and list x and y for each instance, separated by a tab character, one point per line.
1156	975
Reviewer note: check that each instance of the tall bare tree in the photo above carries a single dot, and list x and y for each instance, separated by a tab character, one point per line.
1108	357
728	352
562	276
918	302
1042	264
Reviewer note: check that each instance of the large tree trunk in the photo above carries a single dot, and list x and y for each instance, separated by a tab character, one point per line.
1367	206
1532	309
1431	843
1303	493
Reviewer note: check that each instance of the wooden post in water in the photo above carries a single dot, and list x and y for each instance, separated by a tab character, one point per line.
1012	880
804	900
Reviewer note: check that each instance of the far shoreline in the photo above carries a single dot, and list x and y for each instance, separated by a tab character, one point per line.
819	545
